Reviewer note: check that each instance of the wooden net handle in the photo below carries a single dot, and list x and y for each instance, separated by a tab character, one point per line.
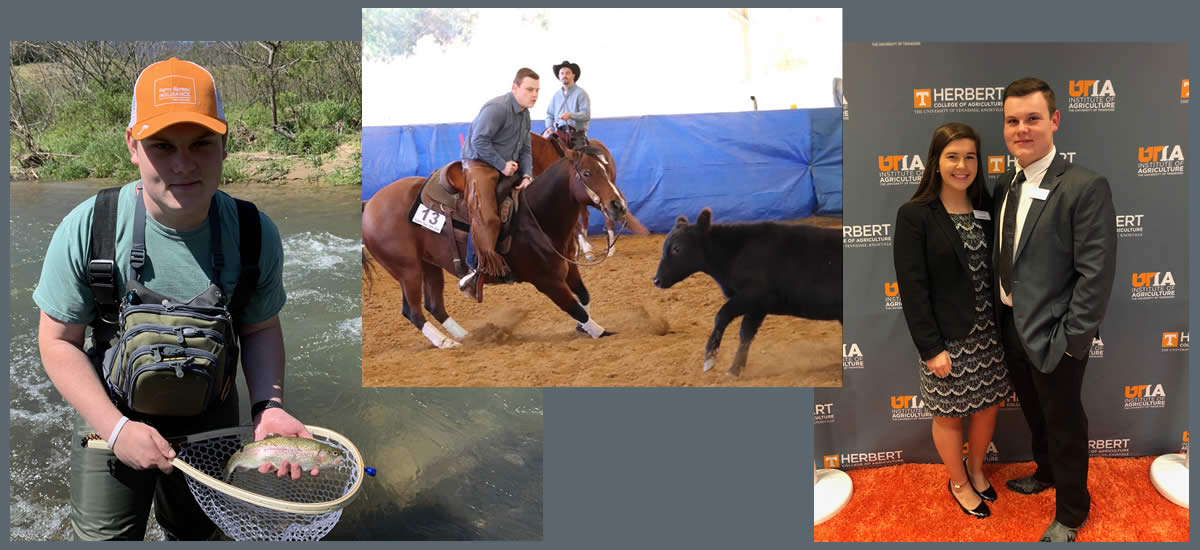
254	498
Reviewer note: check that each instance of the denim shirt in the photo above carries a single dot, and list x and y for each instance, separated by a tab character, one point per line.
500	133
574	101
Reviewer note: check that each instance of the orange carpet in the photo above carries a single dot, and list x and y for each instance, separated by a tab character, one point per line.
911	503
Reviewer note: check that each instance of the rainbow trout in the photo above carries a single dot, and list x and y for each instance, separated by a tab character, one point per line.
307	453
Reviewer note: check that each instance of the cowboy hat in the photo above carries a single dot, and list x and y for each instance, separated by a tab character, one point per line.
574	68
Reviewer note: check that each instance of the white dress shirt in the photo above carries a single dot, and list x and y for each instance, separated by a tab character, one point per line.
1033	179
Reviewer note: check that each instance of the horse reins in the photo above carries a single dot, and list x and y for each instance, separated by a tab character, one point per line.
575	168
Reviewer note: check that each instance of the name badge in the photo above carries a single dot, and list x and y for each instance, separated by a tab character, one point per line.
982	215
1039	193
429	219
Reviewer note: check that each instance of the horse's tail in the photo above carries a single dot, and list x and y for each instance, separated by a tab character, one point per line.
369	268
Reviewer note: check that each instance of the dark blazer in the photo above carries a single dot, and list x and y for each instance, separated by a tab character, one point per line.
1066	259
933	275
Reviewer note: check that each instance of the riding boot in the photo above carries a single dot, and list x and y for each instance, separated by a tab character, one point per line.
472	286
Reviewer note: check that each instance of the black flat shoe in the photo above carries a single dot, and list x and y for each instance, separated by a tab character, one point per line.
979	512
988	494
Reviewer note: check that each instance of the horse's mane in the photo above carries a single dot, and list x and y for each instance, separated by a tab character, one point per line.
591	150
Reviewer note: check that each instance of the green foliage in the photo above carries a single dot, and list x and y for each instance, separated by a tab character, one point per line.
251	115
316	141
82	126
35	104
327	114
351	176
280	144
111	108
66	170
272	170
388	33
82	152
102	109
287	101
233	171
108	158
248	123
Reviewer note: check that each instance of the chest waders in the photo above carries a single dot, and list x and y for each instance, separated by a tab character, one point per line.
163	357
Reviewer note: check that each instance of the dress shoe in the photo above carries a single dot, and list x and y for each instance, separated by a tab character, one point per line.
1058	532
1028	485
988	494
979	512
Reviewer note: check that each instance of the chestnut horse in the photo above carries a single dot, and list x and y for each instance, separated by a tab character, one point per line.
543	234
546	151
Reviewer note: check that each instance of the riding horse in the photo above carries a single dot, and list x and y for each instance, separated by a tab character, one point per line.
542	237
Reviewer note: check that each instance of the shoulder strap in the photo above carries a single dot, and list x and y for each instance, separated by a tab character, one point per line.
102	272
250	235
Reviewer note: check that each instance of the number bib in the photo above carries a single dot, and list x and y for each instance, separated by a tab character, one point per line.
429	219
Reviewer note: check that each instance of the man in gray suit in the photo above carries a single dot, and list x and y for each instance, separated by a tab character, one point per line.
1056	249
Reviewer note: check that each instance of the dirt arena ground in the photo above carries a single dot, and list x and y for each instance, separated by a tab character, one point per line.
520	338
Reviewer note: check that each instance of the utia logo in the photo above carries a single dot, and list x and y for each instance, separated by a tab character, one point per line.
1145	396
900	169
909	407
1152	285
891	296
1160	160
852	357
1094	96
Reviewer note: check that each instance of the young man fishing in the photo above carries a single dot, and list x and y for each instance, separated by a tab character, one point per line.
168	300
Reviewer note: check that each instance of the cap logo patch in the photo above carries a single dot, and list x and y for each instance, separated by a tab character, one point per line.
174	89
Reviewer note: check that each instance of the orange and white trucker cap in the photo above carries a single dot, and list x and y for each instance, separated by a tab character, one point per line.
171	92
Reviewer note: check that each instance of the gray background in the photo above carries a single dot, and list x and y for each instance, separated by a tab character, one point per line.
663	468
1145	84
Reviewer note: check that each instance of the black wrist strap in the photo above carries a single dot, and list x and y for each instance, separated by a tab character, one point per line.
257	408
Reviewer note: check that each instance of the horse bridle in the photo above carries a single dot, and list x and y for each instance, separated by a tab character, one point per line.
582	181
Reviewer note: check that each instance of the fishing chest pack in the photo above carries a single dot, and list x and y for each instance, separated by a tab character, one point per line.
163	357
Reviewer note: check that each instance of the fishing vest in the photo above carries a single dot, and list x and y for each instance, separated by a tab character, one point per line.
160	356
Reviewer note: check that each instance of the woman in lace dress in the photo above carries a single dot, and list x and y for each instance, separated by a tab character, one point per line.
942	257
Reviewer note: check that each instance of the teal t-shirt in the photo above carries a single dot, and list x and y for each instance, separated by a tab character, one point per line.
178	263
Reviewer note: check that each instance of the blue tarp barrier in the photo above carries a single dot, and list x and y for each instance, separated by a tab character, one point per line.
748	166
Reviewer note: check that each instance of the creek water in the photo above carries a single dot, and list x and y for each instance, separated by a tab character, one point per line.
453	464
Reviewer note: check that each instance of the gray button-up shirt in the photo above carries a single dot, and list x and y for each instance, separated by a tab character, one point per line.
574	101
500	133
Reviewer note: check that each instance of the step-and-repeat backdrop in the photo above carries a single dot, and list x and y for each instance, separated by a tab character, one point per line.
1124	115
